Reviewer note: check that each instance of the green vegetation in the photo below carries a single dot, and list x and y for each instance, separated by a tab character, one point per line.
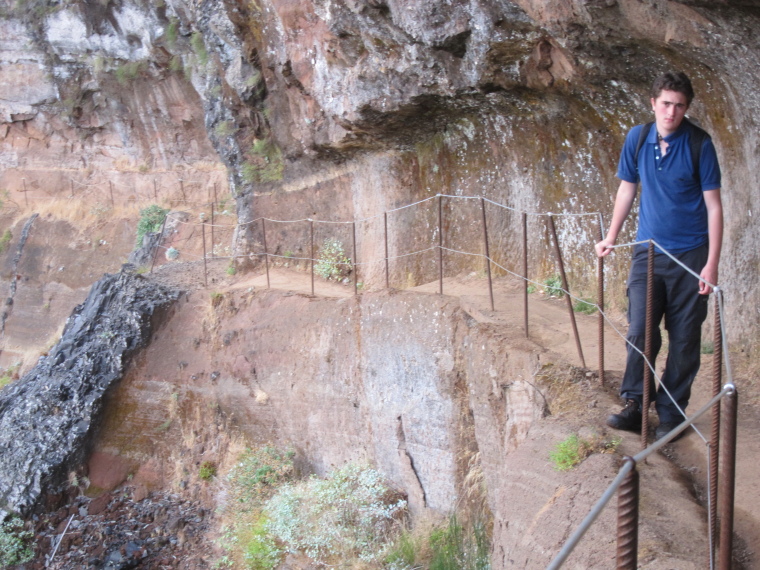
707	346
151	220
172	254
531	288
264	163
9	374
231	270
199	47
14	543
553	286
128	72
573	450
176	64
585	306
453	549
332	262
5	240
350	515
171	33
225	129
207	470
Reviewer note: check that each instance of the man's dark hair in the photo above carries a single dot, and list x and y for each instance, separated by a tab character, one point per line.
673	82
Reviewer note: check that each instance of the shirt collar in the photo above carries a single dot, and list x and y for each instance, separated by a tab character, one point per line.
652	136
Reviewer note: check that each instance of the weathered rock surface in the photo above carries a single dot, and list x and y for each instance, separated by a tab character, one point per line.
47	418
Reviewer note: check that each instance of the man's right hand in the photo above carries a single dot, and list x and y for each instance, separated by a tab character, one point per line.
604	247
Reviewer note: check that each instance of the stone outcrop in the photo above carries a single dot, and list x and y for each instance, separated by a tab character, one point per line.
48	417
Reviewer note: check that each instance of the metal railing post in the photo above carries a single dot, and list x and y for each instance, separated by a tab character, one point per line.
488	253
628	520
353	261
387	272
727	483
266	250
714	447
647	388
212	230
525	271
205	267
158	244
440	244
565	286
600	303
311	255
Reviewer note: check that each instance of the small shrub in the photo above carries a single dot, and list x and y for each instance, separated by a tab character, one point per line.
225	129
128	72
531	288
5	240
454	548
172	254
199	47
568	453
332	262
14	543
553	286
231	270
585	306
171	33
256	476
260	548
350	514
207	471
264	163
151	220
8	375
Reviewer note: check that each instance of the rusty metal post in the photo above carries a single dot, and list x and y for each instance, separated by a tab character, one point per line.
565	286
600	302
628	520
158	245
110	189
488	253
727	487
311	254
26	198
205	267
215	198
182	189
525	271
266	250
155	190
387	272
647	389
212	230
440	244
353	261
714	448
72	187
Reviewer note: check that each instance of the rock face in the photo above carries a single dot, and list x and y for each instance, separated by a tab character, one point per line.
47	418
343	110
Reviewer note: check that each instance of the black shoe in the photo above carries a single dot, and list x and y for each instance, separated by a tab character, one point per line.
665	428
628	419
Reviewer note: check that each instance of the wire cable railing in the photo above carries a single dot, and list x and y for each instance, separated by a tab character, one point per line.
720	501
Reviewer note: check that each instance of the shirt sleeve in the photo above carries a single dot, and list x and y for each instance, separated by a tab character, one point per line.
627	170
709	169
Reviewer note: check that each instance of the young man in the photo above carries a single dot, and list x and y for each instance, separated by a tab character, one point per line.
681	211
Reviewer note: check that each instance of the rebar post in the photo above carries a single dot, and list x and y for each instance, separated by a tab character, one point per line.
311	254
727	486
488	253
155	190
158	244
525	271
353	261
440	244
72	188
628	520
600	303
212	230
110	189
266	251
387	272
26	198
182	190
565	286
714	448
215	197
647	389
205	267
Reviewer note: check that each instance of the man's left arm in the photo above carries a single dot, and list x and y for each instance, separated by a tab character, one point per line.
715	236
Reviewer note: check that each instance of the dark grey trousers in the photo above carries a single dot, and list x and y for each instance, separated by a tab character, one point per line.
677	299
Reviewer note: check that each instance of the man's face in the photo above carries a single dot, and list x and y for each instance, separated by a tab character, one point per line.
669	109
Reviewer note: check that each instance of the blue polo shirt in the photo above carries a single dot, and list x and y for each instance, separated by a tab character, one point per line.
672	210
